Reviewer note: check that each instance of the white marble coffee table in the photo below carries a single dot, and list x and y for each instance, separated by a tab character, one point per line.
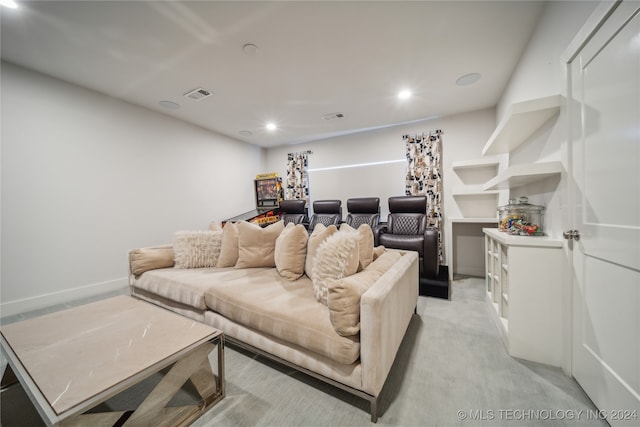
72	360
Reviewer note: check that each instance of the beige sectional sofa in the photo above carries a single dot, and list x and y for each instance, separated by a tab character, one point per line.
329	304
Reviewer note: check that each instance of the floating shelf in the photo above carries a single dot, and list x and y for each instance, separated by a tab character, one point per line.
519	175
475	220
520	122
487	162
474	191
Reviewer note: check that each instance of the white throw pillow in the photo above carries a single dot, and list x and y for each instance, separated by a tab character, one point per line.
196	249
337	258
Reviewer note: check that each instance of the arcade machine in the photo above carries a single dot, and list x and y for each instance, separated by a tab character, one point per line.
269	193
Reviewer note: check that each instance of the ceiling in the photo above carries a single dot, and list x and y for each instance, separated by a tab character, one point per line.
313	58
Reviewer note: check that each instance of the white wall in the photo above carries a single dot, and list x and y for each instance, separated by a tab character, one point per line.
463	139
539	73
86	177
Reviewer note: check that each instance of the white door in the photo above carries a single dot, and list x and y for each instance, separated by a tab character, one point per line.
605	106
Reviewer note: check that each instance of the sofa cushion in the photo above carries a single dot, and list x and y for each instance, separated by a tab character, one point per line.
150	258
256	245
365	243
265	301
186	286
229	250
196	249
319	235
291	251
215	226
344	294
337	258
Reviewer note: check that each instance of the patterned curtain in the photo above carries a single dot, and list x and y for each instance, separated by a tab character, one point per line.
424	176
297	186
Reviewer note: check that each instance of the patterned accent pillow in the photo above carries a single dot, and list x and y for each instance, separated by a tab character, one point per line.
337	258
196	249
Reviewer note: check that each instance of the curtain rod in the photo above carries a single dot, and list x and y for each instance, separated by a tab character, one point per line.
431	132
300	152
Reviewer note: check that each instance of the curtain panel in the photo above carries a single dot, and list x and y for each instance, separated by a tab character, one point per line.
297	185
424	176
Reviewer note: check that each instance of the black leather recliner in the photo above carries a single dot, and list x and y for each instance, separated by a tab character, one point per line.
293	211
363	210
326	212
407	229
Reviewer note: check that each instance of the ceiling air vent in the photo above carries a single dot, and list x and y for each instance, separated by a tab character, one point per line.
198	94
332	116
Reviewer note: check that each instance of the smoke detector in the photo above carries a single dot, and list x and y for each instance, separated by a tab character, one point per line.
332	116
198	94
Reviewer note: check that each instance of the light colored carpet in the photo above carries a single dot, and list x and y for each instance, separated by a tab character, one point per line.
452	365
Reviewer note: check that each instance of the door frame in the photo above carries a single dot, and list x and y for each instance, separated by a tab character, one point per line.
584	35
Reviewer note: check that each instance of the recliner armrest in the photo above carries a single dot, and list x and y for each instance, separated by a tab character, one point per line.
431	258
377	231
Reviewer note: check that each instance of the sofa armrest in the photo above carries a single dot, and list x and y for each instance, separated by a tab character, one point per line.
386	309
149	258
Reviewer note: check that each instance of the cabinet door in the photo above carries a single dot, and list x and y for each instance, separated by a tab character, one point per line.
606	159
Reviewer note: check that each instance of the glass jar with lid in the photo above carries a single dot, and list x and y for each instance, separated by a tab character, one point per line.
519	217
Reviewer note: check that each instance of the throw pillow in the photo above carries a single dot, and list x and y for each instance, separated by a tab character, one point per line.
345	294
365	243
145	259
291	251
196	249
319	235
337	258
229	250
256	245
215	226
377	252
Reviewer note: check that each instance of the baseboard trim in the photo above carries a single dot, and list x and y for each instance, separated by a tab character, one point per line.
12	308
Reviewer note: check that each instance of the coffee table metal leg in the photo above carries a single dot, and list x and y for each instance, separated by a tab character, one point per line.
195	366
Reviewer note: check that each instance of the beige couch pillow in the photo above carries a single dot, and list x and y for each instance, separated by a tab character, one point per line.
215	226
256	245
319	235
145	259
229	250
291	251
337	258
196	249
365	243
344	295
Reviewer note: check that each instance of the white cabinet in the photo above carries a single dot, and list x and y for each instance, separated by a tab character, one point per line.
524	287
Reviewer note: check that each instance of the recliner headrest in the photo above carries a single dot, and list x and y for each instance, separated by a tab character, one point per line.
327	206
292	206
364	205
408	204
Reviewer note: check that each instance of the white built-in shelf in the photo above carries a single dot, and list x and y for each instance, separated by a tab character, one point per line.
475	220
519	175
473	192
487	162
520	122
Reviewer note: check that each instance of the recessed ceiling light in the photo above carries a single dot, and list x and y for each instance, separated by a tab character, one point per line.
271	126
468	79
404	94
245	133
250	49
169	105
